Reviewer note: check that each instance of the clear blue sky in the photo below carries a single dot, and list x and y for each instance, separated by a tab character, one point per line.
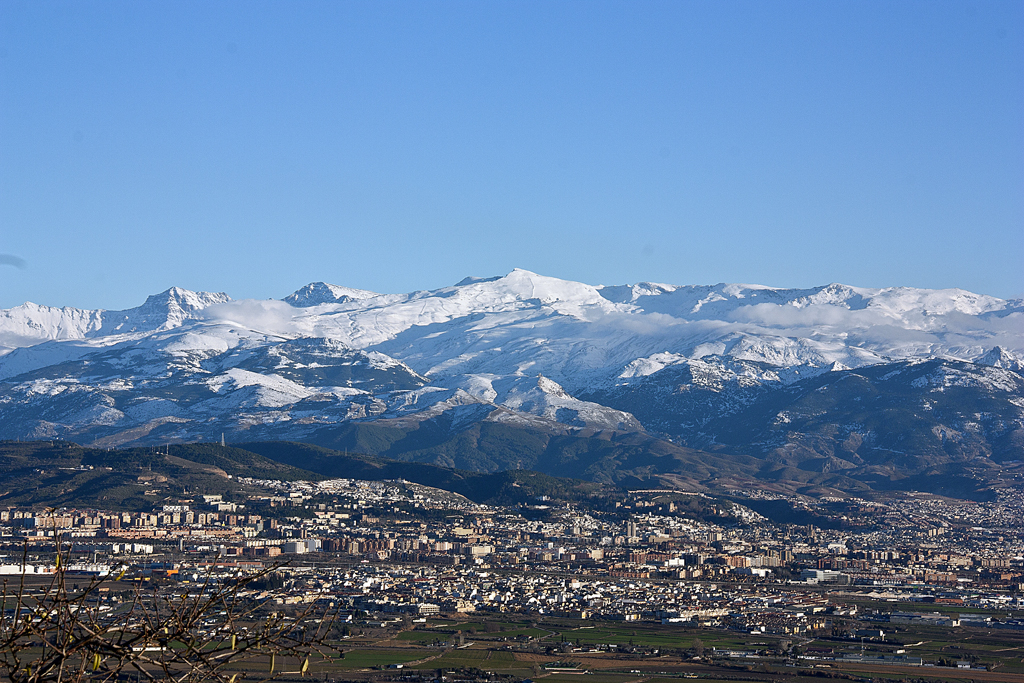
252	147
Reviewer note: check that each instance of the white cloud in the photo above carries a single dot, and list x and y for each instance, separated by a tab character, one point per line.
262	315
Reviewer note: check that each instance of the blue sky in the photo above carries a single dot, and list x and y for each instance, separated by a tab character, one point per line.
253	147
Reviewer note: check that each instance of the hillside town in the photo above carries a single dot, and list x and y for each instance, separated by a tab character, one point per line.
396	548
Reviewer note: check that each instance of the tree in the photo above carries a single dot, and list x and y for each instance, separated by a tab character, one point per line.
186	634
698	647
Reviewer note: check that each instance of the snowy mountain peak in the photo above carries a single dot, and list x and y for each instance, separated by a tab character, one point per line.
551	387
998	357
472	279
525	285
547	399
30	324
163	311
834	294
317	293
542	349
181	302
621	294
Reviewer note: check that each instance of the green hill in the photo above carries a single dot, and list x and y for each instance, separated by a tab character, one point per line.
43	474
63	474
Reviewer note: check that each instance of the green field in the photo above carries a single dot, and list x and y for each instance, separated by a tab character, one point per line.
664	637
425	638
364	659
450	633
589	678
456	659
925	607
1004	648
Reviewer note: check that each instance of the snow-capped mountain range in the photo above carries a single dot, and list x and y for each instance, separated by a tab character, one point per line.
523	349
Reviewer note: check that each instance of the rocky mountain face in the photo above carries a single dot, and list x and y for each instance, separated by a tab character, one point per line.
834	386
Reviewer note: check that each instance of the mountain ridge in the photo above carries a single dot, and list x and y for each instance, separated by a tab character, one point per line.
681	364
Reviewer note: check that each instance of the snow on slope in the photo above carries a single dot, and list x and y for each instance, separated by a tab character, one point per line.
524	341
547	399
526	323
316	293
31	324
542	397
718	301
999	357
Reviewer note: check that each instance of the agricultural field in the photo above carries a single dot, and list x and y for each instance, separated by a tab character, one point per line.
369	658
559	650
